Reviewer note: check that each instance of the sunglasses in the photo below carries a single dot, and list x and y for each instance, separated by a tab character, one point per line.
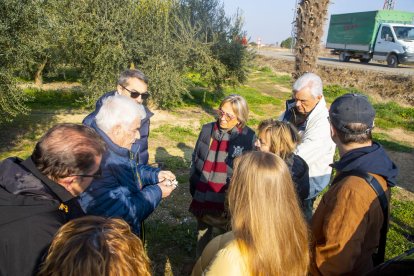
227	116
96	175
135	94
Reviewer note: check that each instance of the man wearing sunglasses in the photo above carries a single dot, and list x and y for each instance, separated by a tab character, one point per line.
39	194
134	84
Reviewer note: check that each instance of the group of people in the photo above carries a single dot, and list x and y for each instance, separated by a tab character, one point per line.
252	195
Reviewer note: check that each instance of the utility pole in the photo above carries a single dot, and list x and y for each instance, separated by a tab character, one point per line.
388	5
293	32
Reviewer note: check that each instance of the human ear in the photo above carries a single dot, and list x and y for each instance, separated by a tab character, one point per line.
66	182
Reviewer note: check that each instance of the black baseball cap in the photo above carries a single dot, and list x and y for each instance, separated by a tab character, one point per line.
352	108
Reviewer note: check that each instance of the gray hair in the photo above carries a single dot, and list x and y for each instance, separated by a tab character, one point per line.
118	110
239	106
131	73
310	80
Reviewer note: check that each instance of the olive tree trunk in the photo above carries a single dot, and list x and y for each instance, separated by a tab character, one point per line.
311	15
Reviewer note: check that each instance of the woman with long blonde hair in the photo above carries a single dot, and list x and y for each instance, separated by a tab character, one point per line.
269	234
96	246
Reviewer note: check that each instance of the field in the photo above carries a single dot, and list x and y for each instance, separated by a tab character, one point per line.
170	231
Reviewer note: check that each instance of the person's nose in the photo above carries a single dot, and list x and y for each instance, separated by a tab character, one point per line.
257	144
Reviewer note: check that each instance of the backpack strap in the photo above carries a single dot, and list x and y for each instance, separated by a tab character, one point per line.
376	186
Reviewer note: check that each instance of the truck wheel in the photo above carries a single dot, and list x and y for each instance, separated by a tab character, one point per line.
392	61
343	57
365	60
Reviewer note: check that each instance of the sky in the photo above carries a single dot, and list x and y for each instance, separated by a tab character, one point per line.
271	20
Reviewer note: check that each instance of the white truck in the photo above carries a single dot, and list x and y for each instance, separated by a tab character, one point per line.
384	35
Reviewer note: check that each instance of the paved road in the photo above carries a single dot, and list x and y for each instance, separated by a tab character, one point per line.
354	64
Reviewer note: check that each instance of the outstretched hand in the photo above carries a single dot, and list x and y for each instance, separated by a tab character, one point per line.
167	187
165	175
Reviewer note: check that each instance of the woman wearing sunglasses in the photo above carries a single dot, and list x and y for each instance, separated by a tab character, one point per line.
212	165
131	83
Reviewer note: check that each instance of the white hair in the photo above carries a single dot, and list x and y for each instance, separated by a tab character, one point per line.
118	110
310	80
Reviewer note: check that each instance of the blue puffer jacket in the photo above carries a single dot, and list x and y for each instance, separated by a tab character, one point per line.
125	189
140	145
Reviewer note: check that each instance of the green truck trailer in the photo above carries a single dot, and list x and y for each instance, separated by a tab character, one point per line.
384	35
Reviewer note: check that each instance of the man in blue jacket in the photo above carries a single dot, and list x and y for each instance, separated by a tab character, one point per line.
127	189
131	83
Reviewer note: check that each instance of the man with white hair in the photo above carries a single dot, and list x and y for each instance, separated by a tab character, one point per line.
127	189
307	111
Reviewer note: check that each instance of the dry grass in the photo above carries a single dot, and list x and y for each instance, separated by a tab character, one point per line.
380	86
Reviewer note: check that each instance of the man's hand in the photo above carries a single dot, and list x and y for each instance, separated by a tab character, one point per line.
166	188
165	175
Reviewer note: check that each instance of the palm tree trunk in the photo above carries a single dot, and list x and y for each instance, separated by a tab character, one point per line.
311	15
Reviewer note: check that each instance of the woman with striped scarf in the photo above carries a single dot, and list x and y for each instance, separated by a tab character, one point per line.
212	166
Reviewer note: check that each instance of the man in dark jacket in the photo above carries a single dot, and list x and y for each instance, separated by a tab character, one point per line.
38	195
131	83
349	222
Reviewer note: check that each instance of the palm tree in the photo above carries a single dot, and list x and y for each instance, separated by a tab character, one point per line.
311	15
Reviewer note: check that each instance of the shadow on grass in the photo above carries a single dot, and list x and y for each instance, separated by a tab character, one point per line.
21	135
171	248
202	97
170	232
385	140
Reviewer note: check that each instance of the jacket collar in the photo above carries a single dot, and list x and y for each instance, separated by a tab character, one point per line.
111	145
57	189
371	159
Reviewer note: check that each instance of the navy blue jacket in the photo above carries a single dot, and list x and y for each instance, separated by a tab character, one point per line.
372	159
125	190
142	143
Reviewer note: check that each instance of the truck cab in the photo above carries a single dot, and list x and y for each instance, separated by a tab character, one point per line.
394	44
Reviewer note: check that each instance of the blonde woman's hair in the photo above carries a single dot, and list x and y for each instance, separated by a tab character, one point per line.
282	137
239	106
266	220
96	246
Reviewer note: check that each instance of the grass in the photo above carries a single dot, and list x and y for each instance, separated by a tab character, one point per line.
55	99
401	233
171	229
387	141
389	115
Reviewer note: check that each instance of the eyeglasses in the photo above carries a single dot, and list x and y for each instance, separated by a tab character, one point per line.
227	116
96	175
135	94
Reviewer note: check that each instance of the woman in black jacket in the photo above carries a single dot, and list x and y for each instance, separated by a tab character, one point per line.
281	138
218	144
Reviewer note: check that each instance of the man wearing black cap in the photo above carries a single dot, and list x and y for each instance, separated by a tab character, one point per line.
352	217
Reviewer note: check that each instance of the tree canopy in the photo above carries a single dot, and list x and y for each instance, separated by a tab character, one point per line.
166	39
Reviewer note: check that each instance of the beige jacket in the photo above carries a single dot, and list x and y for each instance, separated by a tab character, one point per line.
346	228
221	257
